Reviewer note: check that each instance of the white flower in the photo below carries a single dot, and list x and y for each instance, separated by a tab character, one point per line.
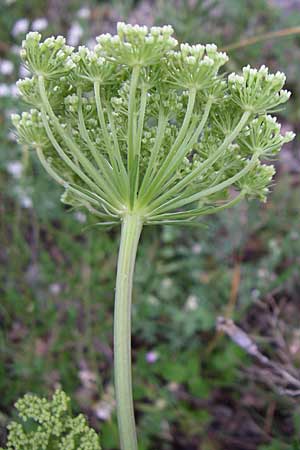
8	90
91	43
74	34
153	300
21	26
25	201
23	71
15	49
84	12
14	91
80	216
160	403
15	168
39	24
104	410
6	67
152	357
191	303
4	90
196	249
12	136
173	386
87	378
255	294
166	283
55	288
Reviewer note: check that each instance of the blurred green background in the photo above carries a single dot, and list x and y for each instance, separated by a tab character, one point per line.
194	388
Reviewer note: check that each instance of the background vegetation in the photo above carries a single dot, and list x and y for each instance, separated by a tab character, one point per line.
195	388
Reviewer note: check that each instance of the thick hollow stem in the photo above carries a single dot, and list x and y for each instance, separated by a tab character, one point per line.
131	230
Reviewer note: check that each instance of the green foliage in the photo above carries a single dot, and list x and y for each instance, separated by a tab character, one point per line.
48	425
277	445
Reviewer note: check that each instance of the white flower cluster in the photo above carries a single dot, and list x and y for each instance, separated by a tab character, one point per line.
138	125
51	58
93	67
136	45
8	90
30	128
75	33
20	27
263	136
39	24
194	66
6	67
258	90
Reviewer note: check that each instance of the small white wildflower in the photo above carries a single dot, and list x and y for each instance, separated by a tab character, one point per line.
14	91
39	24
87	378
173	386
12	136
55	288
263	273
74	34
25	201
255	294
4	90
15	168
84	12
152	357
166	283
104	410
161	403
192	303
91	43
6	67
197	248
80	216
23	71
153	300
15	49
21	26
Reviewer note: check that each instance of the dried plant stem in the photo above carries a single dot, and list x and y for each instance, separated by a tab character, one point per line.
261	38
131	230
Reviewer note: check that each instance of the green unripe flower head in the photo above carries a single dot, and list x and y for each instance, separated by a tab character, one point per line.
144	125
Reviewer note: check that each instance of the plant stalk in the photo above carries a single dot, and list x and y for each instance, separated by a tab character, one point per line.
131	230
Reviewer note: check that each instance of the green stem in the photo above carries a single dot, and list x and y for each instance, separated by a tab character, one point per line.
131	230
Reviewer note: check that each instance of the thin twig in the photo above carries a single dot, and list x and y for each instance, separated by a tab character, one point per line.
261	38
244	341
